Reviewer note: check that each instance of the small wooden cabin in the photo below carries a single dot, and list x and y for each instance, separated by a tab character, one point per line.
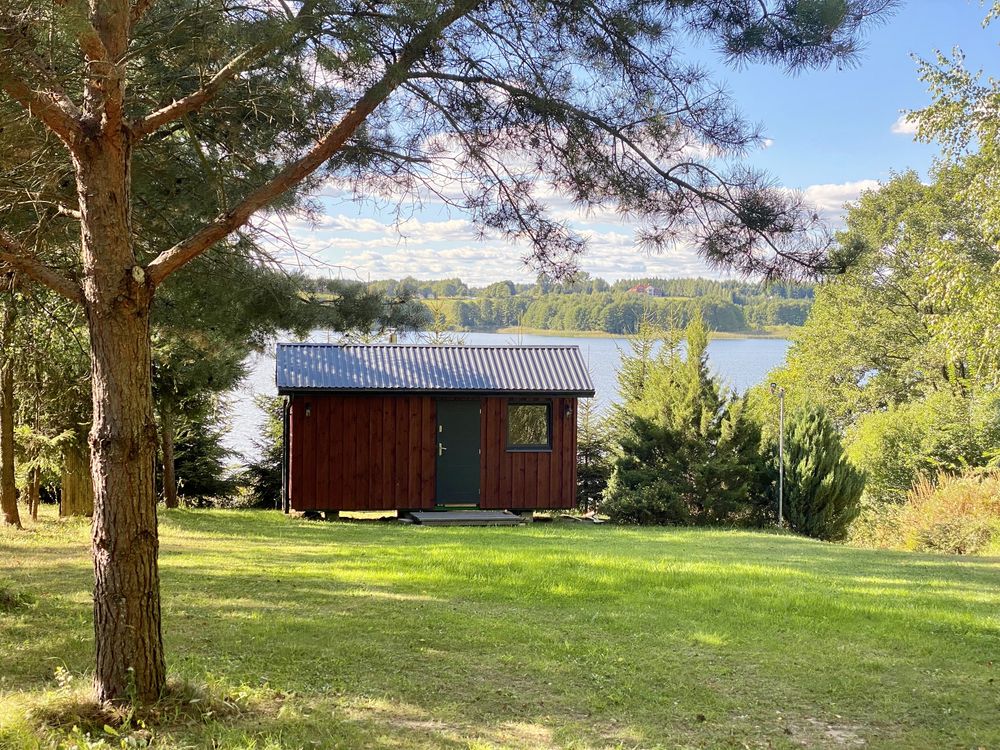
413	427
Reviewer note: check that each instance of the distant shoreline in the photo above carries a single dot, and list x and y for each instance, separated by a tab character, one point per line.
778	332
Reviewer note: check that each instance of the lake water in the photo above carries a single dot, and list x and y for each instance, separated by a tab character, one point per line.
741	363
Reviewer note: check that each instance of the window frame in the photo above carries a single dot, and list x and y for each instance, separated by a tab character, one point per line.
529	447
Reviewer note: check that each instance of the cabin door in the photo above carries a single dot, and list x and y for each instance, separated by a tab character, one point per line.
457	453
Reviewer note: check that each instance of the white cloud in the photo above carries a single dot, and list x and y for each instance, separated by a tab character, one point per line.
611	255
830	198
355	223
429	239
904	125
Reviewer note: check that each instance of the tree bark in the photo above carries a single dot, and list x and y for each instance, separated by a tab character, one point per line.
8	489
34	491
167	447
77	487
130	662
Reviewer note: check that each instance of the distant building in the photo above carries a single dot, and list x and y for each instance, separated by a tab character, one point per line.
648	289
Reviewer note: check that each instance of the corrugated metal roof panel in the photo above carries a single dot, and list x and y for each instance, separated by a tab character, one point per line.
454	369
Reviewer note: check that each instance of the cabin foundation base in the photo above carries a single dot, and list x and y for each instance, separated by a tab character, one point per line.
465	518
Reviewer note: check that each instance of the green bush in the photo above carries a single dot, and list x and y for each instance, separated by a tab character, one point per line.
822	489
954	514
636	497
876	525
942	432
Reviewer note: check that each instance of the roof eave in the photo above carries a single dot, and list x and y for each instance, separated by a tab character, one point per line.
441	392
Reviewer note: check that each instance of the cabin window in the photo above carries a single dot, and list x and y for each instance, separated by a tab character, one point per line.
529	427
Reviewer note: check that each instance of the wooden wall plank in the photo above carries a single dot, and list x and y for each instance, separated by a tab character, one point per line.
350	432
357	437
400	477
506	460
312	431
331	456
375	468
544	493
366	433
388	418
571	484
413	453
296	457
552	480
531	461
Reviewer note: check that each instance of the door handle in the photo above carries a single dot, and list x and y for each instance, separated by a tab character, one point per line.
441	449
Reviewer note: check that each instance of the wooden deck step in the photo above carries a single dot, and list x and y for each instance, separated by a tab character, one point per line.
466	518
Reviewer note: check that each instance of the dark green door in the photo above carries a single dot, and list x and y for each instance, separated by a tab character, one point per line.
457	453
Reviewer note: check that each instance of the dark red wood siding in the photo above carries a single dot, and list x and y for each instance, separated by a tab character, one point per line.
361	452
523	480
379	453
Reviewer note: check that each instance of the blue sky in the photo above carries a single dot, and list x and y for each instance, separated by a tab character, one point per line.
831	135
833	126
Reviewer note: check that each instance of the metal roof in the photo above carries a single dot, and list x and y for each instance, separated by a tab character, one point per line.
440	369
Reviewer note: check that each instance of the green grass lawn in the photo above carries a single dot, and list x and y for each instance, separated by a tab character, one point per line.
308	634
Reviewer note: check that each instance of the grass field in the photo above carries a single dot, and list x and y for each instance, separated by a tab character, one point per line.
294	634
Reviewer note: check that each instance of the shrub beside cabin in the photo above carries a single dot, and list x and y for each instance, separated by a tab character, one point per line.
401	427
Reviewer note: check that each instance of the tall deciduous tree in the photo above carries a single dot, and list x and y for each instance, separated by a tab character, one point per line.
964	118
475	100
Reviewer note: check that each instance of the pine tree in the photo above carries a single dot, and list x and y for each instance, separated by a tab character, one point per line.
686	452
262	476
593	466
822	490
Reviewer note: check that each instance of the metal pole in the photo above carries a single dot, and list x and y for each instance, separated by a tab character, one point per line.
781	456
780	393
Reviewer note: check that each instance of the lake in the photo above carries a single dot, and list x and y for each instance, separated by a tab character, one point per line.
741	363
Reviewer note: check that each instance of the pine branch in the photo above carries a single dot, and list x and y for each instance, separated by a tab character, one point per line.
45	101
194	101
332	141
16	257
185	105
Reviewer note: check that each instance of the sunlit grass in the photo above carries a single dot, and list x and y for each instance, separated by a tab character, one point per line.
356	635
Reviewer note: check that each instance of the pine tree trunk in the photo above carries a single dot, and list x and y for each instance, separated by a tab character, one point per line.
34	488
77	486
129	645
167	447
8	489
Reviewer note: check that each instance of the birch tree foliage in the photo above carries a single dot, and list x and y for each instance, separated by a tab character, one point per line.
964	119
883	333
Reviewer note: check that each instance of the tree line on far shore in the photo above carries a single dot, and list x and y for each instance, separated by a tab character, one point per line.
588	303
